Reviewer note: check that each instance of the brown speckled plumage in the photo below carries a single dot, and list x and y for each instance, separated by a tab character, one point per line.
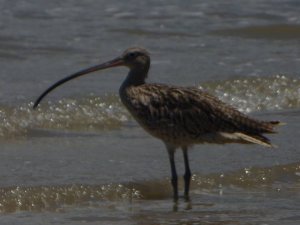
179	116
183	116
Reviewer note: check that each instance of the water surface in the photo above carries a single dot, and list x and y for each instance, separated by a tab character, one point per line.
80	158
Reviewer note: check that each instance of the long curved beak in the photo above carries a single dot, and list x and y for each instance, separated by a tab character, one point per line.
113	63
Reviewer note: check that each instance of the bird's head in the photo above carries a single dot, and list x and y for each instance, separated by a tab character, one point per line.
136	58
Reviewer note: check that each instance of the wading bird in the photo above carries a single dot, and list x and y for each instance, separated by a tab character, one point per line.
179	116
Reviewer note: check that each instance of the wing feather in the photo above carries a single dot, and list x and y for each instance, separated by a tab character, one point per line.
190	110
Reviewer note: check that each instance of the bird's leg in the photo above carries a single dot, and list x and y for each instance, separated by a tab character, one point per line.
187	174
171	152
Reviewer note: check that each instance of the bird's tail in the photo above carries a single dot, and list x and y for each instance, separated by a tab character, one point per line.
255	139
276	123
269	126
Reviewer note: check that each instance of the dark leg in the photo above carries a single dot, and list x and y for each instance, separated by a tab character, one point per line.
171	151
187	174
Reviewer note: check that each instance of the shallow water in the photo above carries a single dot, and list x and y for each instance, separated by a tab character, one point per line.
81	159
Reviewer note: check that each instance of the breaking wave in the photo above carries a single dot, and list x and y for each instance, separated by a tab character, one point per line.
94	113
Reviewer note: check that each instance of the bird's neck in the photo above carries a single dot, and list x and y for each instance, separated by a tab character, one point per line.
135	77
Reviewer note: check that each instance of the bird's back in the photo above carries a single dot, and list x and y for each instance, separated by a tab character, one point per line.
185	116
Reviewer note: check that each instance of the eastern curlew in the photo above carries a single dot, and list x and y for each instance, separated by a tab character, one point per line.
179	116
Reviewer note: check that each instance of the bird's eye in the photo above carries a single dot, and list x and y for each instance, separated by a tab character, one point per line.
132	54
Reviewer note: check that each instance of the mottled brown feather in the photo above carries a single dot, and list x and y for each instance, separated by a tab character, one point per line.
184	116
